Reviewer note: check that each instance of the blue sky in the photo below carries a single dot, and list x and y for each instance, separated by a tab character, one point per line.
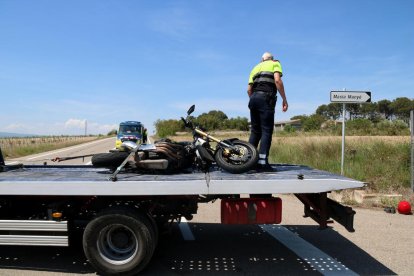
64	62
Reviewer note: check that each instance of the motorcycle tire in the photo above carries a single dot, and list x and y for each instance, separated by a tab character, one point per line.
109	160
234	164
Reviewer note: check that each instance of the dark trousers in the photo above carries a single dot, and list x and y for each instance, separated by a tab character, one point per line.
262	117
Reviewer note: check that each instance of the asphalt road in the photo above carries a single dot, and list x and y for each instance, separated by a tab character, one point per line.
383	244
98	146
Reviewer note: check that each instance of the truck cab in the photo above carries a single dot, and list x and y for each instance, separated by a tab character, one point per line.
129	131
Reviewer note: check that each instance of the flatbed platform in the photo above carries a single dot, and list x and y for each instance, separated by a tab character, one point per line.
90	181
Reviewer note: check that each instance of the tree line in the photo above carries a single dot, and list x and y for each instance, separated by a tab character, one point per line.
384	109
213	120
382	117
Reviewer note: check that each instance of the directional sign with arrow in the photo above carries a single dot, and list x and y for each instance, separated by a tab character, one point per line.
350	96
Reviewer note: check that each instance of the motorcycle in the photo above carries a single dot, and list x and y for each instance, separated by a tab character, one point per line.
231	155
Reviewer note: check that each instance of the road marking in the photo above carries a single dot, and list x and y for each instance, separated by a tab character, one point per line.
185	230
66	149
316	258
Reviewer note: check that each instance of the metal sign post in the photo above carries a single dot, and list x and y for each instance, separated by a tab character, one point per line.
348	97
343	139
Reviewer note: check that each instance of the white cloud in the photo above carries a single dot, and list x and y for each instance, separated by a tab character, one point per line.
70	127
75	123
90	126
14	127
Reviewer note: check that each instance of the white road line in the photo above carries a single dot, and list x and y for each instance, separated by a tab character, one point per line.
66	149
317	259
185	230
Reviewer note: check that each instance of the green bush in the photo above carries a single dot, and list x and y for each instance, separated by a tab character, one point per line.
168	127
313	122
398	127
213	120
112	132
289	129
239	123
359	127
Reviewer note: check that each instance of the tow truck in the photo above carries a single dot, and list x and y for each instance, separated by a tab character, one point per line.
119	222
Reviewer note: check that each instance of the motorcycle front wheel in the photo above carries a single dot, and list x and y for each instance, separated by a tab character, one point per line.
237	162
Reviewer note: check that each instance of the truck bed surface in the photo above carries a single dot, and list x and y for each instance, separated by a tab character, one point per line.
86	181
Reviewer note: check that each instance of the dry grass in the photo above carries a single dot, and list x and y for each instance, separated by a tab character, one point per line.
17	147
381	161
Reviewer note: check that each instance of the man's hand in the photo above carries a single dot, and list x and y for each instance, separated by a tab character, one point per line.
284	106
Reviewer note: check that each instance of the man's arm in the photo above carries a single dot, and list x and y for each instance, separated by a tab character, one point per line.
249	90
281	89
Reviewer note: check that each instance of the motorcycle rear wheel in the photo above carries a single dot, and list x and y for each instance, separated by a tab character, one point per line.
237	163
109	160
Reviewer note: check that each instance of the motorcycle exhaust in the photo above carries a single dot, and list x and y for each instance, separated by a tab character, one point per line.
153	164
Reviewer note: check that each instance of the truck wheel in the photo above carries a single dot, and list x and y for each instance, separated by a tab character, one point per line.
119	243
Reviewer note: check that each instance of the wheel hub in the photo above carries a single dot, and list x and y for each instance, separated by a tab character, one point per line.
117	244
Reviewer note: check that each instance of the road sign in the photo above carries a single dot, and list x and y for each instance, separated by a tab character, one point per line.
350	96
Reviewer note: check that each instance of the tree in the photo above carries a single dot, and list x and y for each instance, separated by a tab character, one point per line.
402	107
384	108
239	123
334	111
370	111
212	120
165	128
112	132
302	118
313	122
354	110
323	111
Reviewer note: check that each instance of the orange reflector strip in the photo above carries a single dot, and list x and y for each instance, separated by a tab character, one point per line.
56	215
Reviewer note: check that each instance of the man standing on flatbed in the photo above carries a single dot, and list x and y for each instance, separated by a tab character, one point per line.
264	82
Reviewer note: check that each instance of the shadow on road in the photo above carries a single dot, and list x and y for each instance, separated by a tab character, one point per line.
217	250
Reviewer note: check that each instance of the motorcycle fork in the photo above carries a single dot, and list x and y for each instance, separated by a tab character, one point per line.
208	136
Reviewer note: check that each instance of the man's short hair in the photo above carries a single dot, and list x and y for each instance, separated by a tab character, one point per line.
267	56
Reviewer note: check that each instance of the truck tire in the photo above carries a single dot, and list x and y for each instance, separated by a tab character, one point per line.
238	163
109	160
119	242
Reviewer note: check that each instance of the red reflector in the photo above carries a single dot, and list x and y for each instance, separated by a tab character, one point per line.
251	210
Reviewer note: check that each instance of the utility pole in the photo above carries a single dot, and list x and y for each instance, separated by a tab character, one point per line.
86	127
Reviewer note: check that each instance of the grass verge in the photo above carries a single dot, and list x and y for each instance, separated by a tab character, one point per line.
18	147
